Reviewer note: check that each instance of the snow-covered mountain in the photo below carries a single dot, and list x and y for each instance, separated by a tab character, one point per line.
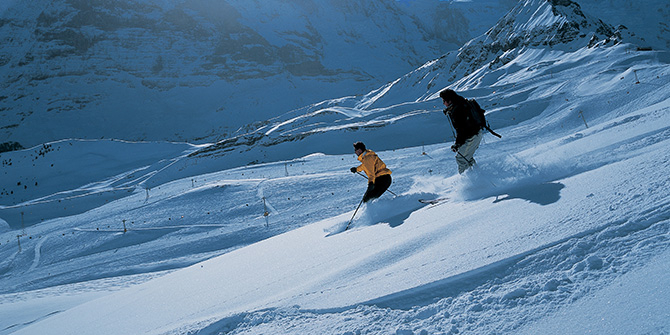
562	227
482	66
198	70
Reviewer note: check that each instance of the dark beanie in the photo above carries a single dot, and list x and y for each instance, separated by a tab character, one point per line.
359	145
448	95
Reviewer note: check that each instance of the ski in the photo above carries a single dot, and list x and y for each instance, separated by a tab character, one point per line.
432	201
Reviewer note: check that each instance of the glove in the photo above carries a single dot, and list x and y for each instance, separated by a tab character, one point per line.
353	170
445	111
455	147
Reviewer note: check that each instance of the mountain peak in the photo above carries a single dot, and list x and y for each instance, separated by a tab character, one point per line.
547	23
532	23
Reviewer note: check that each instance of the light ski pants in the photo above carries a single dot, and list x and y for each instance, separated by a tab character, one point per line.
465	155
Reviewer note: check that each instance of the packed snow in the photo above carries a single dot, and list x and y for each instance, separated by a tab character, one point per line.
563	226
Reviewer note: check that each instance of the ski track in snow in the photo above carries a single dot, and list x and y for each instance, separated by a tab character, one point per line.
38	252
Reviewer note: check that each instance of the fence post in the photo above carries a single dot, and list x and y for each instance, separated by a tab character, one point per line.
583	118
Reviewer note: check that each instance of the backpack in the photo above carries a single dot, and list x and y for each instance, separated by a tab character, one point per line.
477	115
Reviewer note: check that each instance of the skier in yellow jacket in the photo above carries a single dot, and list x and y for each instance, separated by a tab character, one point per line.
379	176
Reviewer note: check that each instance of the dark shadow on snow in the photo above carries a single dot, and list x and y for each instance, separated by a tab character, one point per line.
543	194
399	219
393	221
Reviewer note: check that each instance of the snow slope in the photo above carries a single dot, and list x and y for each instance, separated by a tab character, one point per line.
496	258
564	224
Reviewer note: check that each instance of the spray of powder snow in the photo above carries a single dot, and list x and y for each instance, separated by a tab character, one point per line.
387	209
497	176
433	186
390	210
502	176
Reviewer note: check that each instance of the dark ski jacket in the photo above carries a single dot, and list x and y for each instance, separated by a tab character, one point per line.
460	116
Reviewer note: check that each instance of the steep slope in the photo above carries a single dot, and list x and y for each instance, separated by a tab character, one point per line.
493	259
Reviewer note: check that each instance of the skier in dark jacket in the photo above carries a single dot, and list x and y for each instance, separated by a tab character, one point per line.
468	132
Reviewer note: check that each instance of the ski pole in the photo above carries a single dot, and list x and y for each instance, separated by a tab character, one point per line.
360	174
356	211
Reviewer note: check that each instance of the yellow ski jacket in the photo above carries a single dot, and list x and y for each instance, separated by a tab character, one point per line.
372	165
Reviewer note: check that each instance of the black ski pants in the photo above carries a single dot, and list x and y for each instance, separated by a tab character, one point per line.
376	189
